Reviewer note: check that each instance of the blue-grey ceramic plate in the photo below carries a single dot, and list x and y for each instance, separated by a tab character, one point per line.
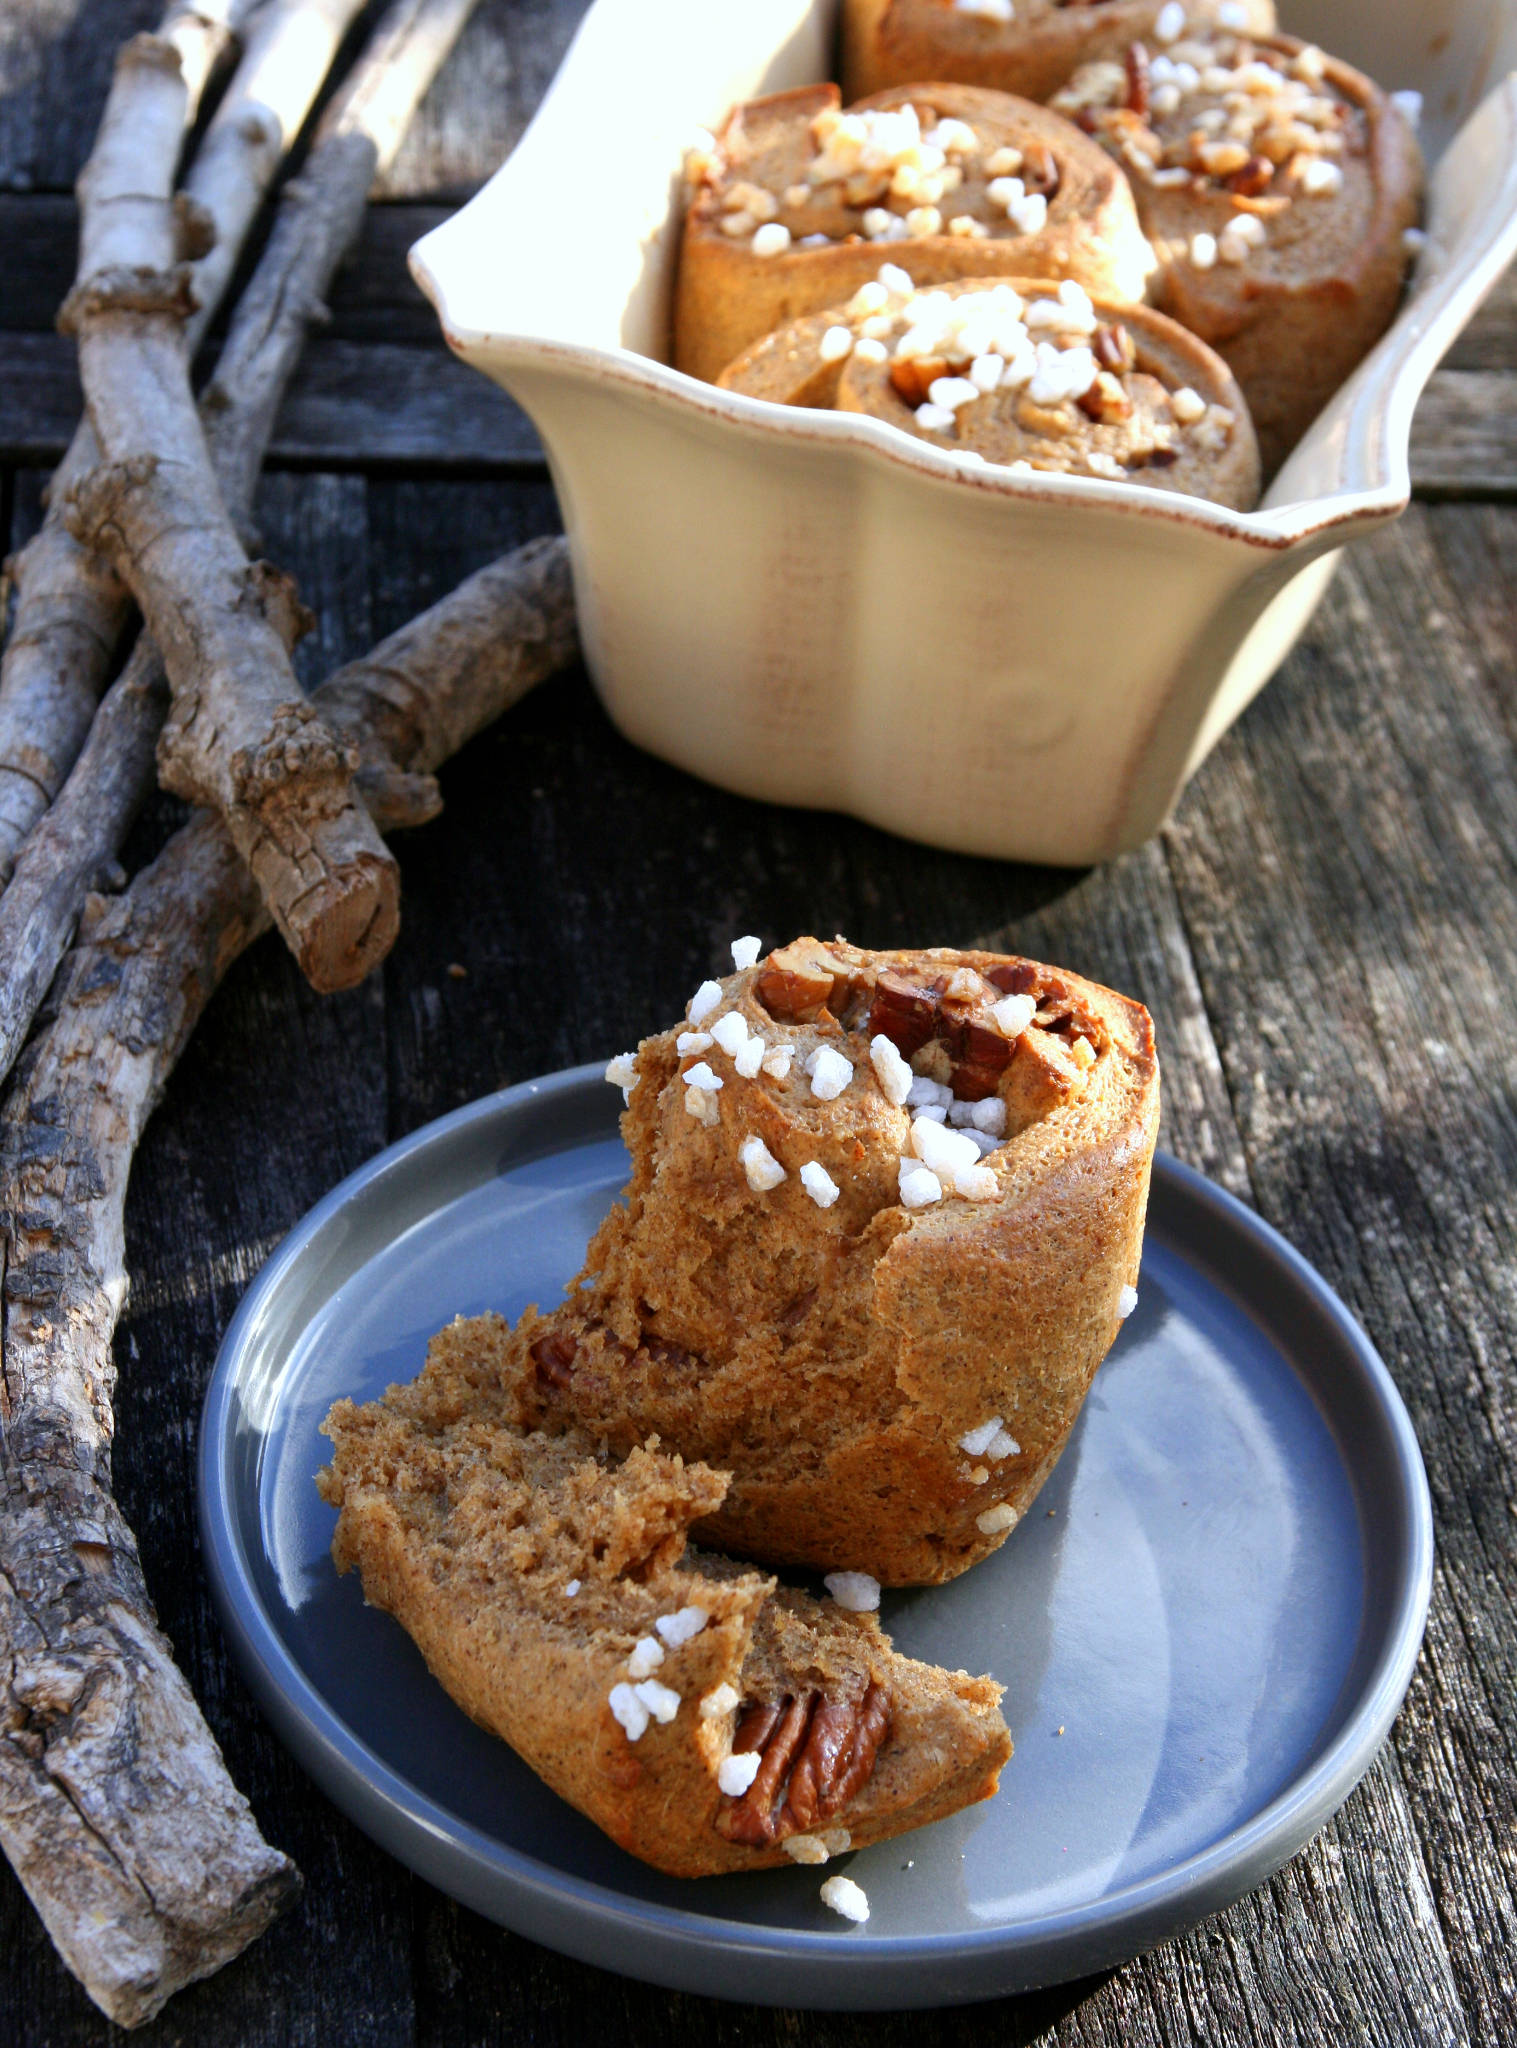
1204	1627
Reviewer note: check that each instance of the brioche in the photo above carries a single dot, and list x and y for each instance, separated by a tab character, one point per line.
796	202
879	1314
1022	373
703	1716
1277	185
1029	48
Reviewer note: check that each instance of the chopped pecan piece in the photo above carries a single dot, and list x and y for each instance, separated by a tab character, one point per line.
904	1012
662	1352
1015	978
1253	179
971	1037
795	981
1114	347
553	1357
915	377
1137	78
797	1311
1040	170
1106	401
973	1083
817	1754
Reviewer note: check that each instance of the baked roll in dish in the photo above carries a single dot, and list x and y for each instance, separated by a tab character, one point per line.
1022	46
706	1718
796	200
1023	373
883	1224
1277	185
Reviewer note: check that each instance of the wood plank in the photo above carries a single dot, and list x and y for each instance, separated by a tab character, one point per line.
484	97
350	405
1346	868
1464	439
55	68
373	298
1490	340
366	405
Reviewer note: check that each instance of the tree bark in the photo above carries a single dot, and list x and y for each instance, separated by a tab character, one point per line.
115	1806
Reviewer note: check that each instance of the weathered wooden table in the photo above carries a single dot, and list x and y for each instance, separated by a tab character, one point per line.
1326	934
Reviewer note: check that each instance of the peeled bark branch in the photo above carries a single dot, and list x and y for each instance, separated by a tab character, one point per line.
240	736
290	48
318	220
115	1806
71	608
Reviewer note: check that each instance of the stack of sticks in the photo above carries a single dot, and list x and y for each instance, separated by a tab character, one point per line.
116	1808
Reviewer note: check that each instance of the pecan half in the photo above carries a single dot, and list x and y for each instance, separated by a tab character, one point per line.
553	1359
817	1754
777	1732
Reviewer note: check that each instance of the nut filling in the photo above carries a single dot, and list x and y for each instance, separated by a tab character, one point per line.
1261	127
943	1021
817	1754
1046	370
885	174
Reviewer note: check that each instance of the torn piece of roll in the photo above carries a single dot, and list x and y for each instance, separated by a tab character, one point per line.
1023	373
1277	186
884	1221
704	1717
796	200
1022	46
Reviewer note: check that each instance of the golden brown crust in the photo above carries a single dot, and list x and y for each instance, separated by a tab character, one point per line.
1127	430
727	296
832	1359
468	1531
891	42
1295	318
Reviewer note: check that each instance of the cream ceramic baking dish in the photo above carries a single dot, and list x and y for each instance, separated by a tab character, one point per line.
819	609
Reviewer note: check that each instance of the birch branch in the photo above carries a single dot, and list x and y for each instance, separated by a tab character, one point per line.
115	1805
318	220
239	736
71	609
